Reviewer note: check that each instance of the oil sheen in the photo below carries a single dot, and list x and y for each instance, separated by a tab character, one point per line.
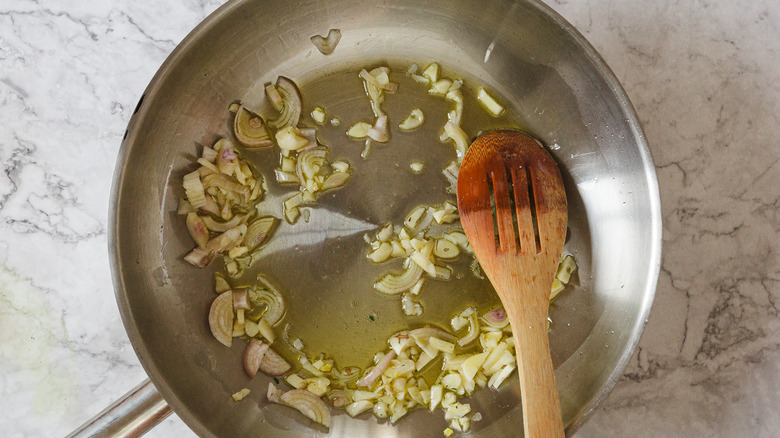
320	264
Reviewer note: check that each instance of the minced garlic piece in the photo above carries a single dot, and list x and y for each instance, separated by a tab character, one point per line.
241	394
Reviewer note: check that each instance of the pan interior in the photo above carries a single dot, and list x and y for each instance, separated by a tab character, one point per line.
551	88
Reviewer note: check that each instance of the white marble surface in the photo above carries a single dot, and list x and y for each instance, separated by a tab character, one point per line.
704	76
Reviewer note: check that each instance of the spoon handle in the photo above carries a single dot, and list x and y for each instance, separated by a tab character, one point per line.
541	405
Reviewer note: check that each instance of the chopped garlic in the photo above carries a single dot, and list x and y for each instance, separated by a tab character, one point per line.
409	306
265	330
424	262
240	395
421	79
318	385
444	214
382	78
397	412
288	164
565	268
415	290
470	366
452	381
458	136
295	381
380	409
322	365
385	233
251	329
448	400
359	395
432	72
441	345
290	139
412	219
340	166
358	407
489	103
359	130
400	342
335	121
422	361
416	166
398	250
413	120
462	424
490	340
318	114
436	396
232	267
557	288
382	253
458	322
459	238
498	378
445	249
440	87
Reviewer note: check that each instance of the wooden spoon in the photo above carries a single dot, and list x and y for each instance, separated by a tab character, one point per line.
512	205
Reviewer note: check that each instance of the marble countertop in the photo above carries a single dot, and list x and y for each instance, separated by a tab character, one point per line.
704	76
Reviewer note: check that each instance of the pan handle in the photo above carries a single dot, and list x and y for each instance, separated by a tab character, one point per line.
131	416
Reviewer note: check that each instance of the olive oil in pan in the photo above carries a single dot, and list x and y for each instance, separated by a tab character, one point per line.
321	265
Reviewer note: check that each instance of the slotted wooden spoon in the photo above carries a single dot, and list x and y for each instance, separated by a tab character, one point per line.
513	209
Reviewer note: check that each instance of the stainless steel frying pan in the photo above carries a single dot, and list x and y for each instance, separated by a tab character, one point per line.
555	86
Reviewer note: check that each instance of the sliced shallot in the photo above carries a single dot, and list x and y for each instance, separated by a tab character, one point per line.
274	394
413	120
276	99
221	227
380	368
338	398
473	330
308	404
346	374
259	231
253	356
458	136
227	240
379	132
328	44
250	129
199	257
393	284
291	107
273	364
221	318
496	318
272	298
194	189
423	335
335	179
209	154
197	229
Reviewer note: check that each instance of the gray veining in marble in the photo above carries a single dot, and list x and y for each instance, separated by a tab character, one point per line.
704	76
